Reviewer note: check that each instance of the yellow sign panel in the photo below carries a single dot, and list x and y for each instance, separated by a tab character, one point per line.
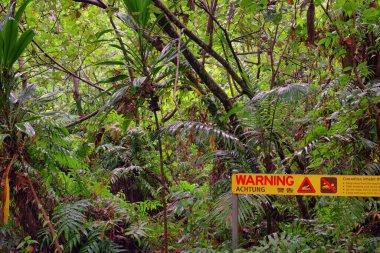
314	185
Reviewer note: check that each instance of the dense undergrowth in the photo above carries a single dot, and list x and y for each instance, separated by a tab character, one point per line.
121	122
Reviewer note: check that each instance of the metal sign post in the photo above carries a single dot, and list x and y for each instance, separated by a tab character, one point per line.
235	223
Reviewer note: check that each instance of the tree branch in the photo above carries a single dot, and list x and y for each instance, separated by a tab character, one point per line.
40	207
228	42
197	66
98	3
68	71
88	116
163	182
205	47
168	116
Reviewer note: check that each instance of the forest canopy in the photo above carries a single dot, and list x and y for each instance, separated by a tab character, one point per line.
121	122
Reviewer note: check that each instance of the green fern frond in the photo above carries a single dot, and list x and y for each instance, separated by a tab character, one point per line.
95	243
72	242
262	121
70	218
281	242
70	221
257	116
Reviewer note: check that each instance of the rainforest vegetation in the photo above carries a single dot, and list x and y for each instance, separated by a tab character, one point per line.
121	122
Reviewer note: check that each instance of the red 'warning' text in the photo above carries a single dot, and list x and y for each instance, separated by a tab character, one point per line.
274	180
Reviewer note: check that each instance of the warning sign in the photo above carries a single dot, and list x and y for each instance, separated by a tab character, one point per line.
306	186
329	185
317	185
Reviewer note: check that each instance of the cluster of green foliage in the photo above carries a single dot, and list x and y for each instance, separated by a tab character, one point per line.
122	120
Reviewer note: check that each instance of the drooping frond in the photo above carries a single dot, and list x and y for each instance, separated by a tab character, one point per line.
141	177
288	93
203	131
124	172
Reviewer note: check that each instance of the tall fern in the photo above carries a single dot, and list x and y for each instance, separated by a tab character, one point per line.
77	232
70	218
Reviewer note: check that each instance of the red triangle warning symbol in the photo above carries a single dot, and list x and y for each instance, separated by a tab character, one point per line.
306	186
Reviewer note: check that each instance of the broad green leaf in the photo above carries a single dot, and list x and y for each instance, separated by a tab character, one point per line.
27	94
322	41
234	110
139	10
349	68
349	7
328	42
26	128
101	33
1	48
2	137
371	14
114	79
10	40
137	82
22	43
21	10
48	95
115	97
111	63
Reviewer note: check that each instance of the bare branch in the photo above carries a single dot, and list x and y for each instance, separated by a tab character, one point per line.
98	3
171	16
66	70
88	116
